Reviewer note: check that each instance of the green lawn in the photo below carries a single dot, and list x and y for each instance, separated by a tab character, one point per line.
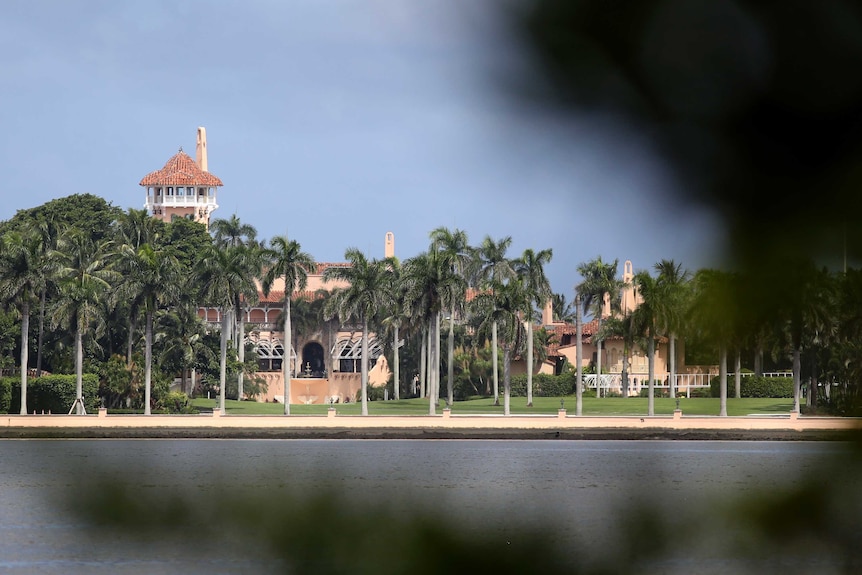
541	405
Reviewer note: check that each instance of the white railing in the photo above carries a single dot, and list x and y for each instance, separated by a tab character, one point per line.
684	382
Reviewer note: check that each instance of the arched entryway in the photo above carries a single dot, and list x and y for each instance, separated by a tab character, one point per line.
312	360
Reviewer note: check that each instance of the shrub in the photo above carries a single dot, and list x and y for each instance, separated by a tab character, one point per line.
544	385
56	393
175	402
6	393
657	391
755	386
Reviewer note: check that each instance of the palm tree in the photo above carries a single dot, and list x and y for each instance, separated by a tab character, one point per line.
579	356
392	322
562	310
84	277
361	300
505	306
152	275
181	332
224	275
673	282
23	273
645	317
430	286
531	269
285	259
456	250
599	285
50	231
712	312
493	269
232	232
134	229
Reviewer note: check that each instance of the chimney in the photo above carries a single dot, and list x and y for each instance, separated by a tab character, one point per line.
548	312
201	150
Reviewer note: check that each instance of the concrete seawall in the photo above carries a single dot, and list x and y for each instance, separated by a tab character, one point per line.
441	426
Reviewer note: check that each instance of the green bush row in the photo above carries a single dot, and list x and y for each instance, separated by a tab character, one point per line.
755	386
544	385
49	393
6	393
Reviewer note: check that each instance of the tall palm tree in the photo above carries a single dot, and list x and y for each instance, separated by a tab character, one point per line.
286	260
151	274
505	306
24	271
232	232
84	277
600	284
133	230
493	269
579	357
431	286
673	282
455	248
531	270
646	317
395	318
224	275
50	230
364	297
713	311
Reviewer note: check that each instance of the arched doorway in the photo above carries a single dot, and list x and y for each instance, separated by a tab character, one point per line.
312	360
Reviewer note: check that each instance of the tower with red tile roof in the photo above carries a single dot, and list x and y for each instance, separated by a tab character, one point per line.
183	188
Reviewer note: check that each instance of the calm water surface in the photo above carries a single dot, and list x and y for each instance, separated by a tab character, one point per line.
578	486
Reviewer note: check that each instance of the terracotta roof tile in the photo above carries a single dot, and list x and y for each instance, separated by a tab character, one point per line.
180	170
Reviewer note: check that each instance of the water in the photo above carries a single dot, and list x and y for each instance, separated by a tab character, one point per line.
573	490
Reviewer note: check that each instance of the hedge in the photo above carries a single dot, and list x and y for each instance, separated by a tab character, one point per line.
544	385
56	393
6	393
755	386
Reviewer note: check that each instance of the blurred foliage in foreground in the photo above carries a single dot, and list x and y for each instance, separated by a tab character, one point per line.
812	525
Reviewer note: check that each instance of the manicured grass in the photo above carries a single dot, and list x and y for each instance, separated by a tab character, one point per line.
541	405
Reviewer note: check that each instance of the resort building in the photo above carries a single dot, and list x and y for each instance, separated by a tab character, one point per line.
325	357
325	362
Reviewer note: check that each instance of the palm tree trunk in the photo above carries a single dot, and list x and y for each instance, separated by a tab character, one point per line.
79	370
432	362
494	362
423	362
529	362
450	366
288	345
797	375
437	358
396	382
41	333
241	356
364	366
579	359
129	347
722	380
222	380
599	360
25	350
507	379
148	361
651	371
672	358
758	361
738	375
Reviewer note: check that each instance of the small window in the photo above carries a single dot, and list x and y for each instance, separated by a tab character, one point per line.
170	192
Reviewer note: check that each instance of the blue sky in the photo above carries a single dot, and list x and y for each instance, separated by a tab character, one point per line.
333	121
